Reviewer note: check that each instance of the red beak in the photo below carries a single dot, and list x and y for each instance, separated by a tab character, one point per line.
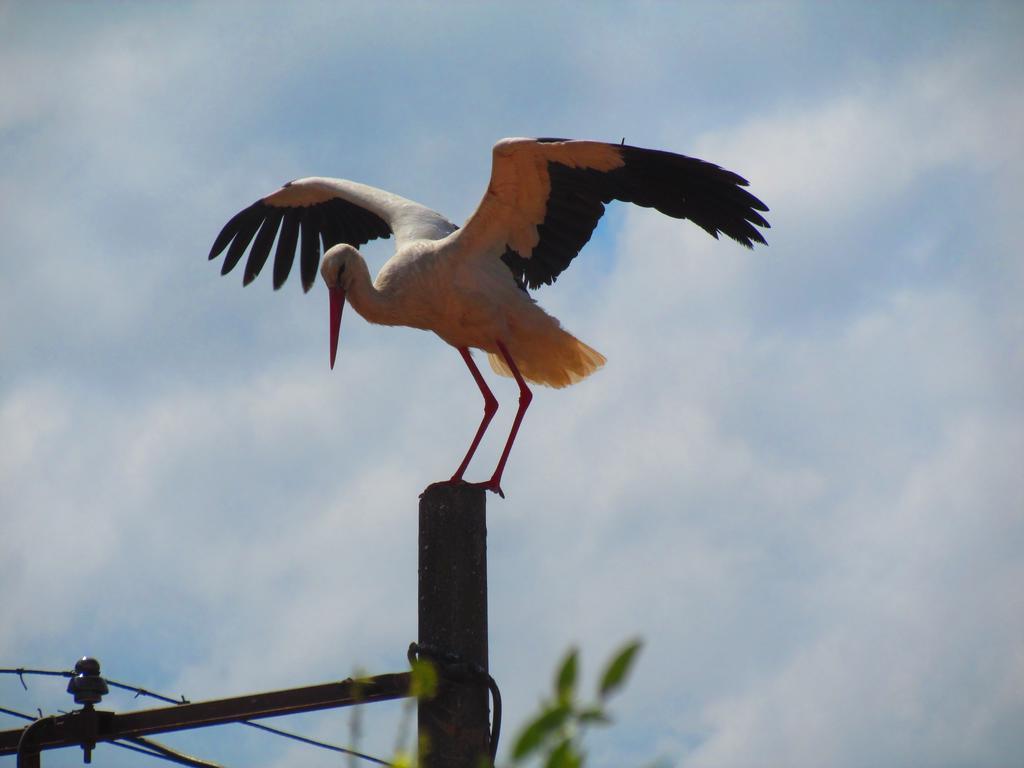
337	305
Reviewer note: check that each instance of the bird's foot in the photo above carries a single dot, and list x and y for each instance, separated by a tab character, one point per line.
492	485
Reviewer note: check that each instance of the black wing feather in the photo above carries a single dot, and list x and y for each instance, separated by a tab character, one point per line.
310	253
286	243
676	185
261	246
328	223
372	225
336	224
228	233
244	233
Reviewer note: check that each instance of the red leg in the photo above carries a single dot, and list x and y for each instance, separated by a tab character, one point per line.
525	396
490	407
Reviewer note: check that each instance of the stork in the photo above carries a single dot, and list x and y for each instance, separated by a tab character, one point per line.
469	285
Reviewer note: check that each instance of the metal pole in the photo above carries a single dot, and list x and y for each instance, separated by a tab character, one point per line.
87	727
453	621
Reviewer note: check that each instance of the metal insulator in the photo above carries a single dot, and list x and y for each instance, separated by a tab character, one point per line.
87	686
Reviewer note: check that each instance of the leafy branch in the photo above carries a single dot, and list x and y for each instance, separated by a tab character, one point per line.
555	734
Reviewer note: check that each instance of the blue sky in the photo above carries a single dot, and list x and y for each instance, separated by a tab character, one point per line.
798	476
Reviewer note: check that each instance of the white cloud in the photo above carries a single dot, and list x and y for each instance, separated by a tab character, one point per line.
911	589
805	501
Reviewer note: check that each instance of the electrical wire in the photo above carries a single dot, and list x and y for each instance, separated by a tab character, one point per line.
155	749
495	717
22	671
180	759
315	743
139	744
16	713
453	665
143	692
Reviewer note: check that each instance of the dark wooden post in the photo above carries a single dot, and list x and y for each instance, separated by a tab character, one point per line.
453	620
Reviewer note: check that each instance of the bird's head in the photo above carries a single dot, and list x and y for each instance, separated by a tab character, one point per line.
337	270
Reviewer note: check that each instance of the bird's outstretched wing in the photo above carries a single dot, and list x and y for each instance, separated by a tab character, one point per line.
327	212
546	196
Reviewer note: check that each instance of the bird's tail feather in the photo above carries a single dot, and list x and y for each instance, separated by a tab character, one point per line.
562	361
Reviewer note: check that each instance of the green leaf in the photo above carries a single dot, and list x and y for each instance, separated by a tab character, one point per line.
565	681
545	724
423	680
618	669
564	756
593	715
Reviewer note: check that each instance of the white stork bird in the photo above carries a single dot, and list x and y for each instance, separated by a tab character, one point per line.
469	285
